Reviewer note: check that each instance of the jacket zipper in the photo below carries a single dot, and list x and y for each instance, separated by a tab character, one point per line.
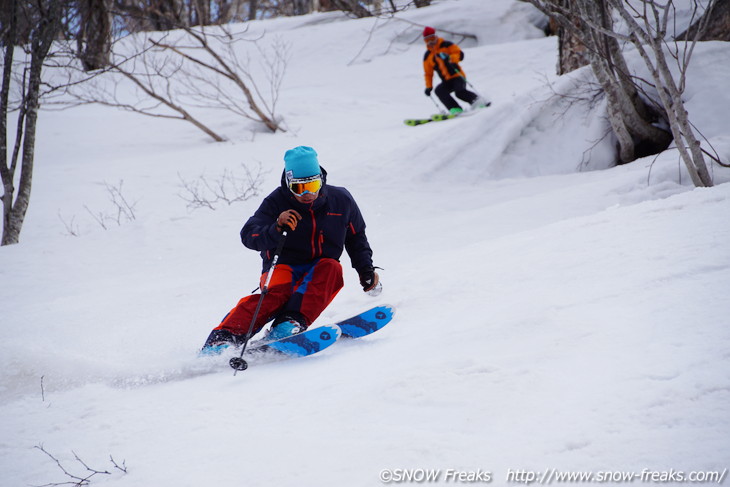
314	234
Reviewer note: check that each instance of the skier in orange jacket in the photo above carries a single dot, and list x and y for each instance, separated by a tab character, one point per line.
443	57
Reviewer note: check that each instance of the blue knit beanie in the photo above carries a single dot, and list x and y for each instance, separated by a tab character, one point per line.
301	162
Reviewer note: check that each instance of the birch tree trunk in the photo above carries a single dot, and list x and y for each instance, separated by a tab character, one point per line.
650	36
94	37
633	119
714	25
47	25
636	120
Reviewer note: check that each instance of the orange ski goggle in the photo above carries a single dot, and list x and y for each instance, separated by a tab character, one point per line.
306	185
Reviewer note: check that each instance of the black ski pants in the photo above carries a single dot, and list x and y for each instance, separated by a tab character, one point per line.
458	87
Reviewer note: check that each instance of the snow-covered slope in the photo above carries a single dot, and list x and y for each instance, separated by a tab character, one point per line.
552	312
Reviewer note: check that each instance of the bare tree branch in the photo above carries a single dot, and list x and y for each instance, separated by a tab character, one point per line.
78	480
636	119
225	63
227	188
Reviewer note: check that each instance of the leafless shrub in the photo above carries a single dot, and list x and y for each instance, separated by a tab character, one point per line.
226	188
154	77
83	478
214	75
72	229
123	210
175	73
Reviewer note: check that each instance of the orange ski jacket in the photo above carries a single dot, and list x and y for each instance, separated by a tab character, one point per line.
447	68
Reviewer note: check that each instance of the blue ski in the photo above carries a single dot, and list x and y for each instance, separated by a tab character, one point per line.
313	340
366	322
302	344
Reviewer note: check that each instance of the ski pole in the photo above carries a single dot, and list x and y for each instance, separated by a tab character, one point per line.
238	363
471	85
437	105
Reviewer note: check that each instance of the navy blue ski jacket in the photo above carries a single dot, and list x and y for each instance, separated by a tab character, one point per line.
331	223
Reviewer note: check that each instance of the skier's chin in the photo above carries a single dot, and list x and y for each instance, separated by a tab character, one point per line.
307	198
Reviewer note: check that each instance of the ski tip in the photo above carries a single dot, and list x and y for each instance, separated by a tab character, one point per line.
382	313
367	322
389	307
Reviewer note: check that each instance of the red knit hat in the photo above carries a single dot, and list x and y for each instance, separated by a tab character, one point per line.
428	31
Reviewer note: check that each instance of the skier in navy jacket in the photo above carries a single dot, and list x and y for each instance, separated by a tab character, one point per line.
321	221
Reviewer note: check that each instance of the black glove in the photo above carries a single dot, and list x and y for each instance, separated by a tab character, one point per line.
369	279
428	91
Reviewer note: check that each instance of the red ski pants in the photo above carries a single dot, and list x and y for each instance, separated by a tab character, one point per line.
305	289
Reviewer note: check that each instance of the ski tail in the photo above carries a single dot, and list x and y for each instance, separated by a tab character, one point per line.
302	344
412	122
